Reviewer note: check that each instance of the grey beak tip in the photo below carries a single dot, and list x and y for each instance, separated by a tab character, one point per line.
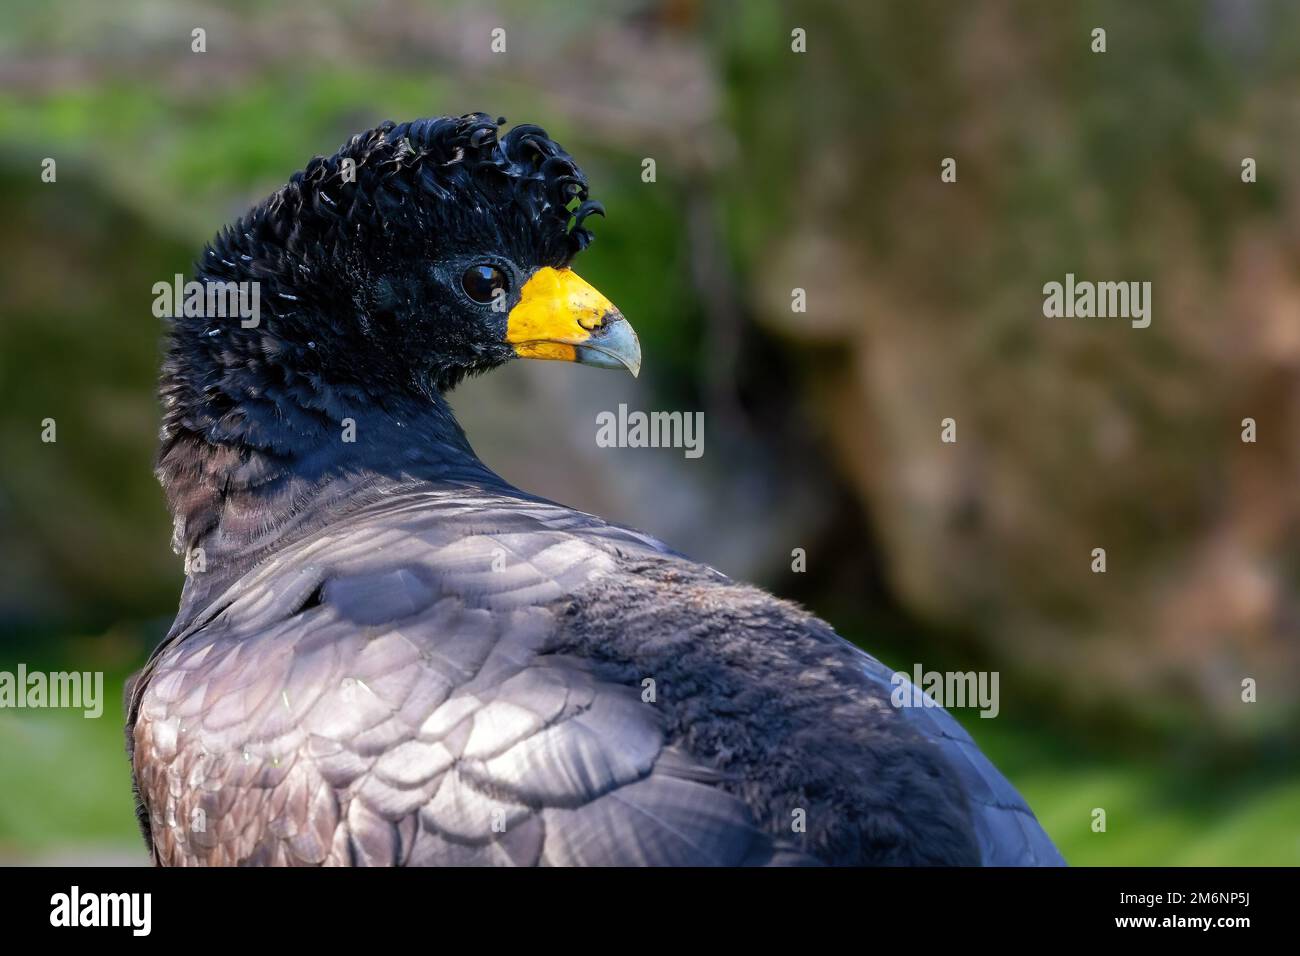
615	346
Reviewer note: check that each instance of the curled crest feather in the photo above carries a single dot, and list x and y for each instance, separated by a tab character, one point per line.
399	167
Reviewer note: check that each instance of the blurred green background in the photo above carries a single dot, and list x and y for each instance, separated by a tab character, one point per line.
775	170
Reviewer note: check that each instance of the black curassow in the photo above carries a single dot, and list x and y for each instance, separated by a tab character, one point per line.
387	655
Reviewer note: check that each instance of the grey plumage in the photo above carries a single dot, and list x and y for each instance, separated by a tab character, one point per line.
453	675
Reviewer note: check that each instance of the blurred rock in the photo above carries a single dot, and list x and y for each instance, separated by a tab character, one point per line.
1073	434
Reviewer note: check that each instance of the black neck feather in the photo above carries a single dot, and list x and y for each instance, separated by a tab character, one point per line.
252	463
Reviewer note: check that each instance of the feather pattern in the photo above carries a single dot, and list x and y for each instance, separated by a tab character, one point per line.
422	683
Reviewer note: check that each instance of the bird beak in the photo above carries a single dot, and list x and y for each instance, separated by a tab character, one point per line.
559	316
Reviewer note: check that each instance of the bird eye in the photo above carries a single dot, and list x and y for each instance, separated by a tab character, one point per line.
481	282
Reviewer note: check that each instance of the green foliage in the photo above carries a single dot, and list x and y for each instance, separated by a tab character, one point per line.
1157	813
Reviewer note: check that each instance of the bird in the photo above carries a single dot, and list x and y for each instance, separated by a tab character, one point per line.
385	654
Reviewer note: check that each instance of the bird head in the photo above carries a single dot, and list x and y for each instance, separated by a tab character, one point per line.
420	253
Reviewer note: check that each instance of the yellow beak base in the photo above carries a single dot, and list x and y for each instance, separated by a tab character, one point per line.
561	317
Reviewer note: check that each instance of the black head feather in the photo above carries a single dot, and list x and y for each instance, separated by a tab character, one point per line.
358	261
346	252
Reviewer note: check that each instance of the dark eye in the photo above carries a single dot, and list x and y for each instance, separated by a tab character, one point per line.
482	282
